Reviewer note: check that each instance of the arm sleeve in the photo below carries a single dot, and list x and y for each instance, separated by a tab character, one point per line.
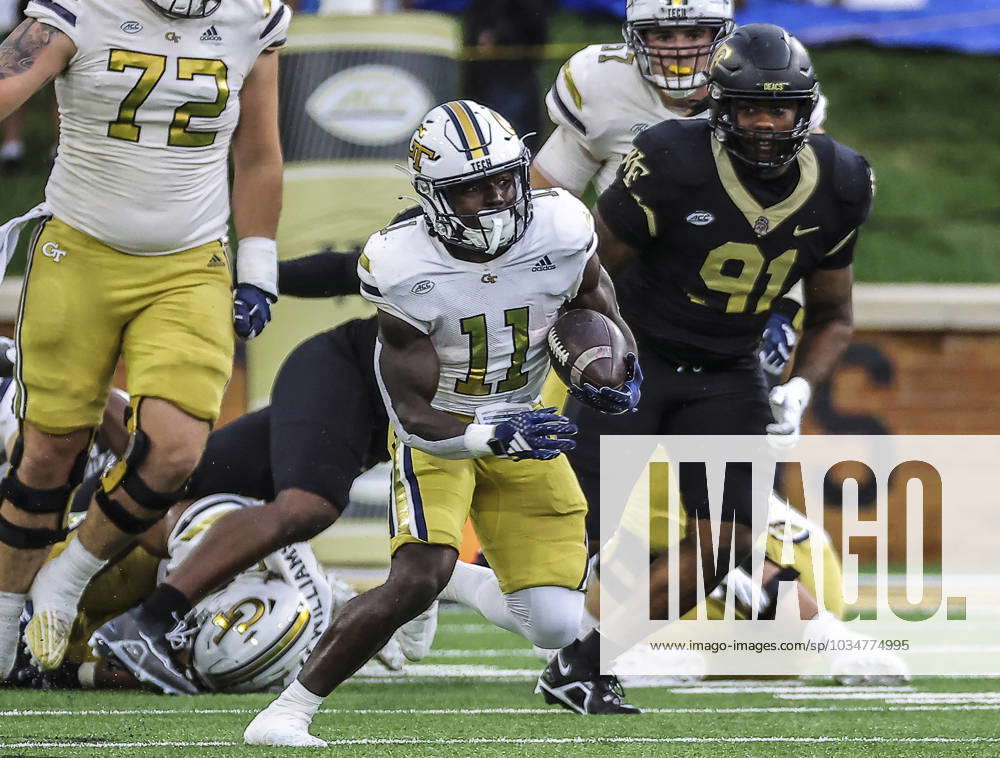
564	158
59	14
326	274
275	28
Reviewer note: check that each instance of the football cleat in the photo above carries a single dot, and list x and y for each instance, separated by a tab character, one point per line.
577	688
416	636
869	668
544	654
11	607
47	637
685	666
280	727
136	641
391	656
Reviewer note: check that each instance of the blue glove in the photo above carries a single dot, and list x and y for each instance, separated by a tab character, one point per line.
251	310
533	434
776	344
610	400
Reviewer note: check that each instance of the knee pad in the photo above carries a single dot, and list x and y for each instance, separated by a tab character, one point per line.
549	616
125	474
55	500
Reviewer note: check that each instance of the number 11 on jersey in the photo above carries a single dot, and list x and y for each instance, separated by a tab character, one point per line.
475	382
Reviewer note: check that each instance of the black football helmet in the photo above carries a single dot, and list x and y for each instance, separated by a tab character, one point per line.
761	62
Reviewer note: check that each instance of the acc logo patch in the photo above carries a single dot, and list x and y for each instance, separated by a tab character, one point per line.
700	218
131	27
422	287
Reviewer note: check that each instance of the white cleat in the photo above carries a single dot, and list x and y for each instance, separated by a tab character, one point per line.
342	591
47	637
544	654
47	633
640	666
391	656
416	637
11	606
869	668
281	728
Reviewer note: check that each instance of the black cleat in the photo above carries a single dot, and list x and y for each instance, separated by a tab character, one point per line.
577	687
137	642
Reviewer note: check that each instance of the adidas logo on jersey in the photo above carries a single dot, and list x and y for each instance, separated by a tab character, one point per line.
215	260
543	264
211	35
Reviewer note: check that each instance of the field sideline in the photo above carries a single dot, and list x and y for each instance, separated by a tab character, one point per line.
473	696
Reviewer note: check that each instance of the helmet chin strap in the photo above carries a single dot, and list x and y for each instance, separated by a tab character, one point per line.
495	235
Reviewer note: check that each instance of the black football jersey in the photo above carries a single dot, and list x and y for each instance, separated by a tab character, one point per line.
712	256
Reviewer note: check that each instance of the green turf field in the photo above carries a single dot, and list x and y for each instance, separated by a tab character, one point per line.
473	697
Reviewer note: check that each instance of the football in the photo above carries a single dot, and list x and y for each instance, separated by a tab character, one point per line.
587	346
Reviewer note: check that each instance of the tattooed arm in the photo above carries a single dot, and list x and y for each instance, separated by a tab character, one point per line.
31	56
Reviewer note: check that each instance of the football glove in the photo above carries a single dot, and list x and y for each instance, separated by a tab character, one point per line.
776	344
788	403
539	434
251	310
610	400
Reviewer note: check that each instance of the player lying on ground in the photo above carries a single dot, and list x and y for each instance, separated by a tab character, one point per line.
325	425
606	94
282	605
239	457
466	295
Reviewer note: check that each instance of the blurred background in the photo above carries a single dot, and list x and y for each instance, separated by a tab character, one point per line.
912	84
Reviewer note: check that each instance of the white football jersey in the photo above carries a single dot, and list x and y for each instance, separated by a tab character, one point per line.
488	321
599	103
147	108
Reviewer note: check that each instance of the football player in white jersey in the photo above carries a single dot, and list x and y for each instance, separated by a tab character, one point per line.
466	295
130	259
606	94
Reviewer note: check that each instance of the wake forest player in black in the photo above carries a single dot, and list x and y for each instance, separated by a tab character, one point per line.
707	223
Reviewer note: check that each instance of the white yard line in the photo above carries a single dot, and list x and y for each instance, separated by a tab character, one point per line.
728	688
87	745
488	653
896	697
502	711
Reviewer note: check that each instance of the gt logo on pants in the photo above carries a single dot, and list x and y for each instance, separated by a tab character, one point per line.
53	251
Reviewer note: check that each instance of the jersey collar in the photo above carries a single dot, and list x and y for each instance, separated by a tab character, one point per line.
747	204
